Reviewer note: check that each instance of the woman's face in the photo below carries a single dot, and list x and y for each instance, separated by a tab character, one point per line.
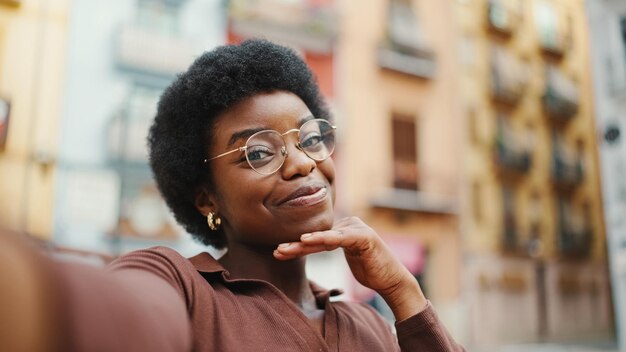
266	210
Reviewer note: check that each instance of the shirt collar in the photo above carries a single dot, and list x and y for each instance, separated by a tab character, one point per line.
205	263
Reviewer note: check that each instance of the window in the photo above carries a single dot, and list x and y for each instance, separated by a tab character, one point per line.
405	173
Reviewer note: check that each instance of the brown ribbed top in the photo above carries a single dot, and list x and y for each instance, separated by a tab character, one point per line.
252	315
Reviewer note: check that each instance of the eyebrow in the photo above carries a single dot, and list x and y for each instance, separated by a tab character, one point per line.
245	134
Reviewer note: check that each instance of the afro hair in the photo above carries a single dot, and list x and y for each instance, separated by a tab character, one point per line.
183	127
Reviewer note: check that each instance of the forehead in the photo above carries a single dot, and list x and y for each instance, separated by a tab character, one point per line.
275	110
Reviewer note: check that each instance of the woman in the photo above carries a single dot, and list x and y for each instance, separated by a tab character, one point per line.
240	150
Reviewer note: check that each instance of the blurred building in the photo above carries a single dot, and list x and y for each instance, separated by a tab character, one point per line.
33	36
399	116
535	252
607	22
120	57
468	129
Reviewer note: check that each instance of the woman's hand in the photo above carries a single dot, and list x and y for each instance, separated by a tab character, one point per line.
370	261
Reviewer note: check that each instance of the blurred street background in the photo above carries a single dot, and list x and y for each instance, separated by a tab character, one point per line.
480	138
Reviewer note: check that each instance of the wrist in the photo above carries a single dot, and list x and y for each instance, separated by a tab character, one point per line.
405	299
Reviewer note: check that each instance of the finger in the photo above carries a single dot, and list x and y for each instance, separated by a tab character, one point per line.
335	237
288	251
299	248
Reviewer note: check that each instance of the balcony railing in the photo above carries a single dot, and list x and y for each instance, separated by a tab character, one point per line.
555	44
313	28
405	48
418	62
148	51
566	172
508	77
558	107
501	18
519	161
561	97
574	244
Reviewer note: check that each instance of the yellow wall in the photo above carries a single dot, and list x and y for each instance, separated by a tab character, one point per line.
32	58
484	235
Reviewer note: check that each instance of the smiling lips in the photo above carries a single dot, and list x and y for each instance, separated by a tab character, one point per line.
306	195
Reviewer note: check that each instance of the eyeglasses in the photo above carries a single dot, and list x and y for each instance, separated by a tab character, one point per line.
266	150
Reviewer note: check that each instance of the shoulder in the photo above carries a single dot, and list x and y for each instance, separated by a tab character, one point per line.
161	261
146	258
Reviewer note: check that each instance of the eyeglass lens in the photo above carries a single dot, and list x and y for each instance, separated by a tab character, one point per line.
266	150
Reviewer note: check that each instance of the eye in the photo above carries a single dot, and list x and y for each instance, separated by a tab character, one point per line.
259	154
311	140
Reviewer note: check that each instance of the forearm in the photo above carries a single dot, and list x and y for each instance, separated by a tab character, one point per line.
30	319
127	311
74	307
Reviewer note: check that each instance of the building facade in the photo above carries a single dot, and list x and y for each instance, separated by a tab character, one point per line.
535	251
33	37
468	129
106	199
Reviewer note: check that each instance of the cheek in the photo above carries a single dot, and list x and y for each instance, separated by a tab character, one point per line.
327	167
239	189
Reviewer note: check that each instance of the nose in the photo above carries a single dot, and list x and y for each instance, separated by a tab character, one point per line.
297	163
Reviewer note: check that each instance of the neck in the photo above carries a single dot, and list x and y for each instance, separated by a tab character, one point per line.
245	262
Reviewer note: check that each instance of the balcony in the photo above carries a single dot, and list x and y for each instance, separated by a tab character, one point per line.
561	97
416	62
575	233
567	172
500	18
512	150
518	161
554	44
508	77
309	27
554	32
559	108
414	201
575	244
147	51
405	49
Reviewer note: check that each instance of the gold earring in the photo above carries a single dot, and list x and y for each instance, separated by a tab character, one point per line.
213	221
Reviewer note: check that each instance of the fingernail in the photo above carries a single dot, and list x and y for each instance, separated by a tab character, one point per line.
283	245
306	235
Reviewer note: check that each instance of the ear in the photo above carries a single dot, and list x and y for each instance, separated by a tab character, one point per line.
205	202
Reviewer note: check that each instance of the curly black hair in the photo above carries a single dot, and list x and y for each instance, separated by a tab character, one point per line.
183	127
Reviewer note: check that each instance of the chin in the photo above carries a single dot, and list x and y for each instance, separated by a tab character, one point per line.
322	222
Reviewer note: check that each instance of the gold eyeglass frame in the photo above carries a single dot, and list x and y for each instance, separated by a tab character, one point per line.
283	149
